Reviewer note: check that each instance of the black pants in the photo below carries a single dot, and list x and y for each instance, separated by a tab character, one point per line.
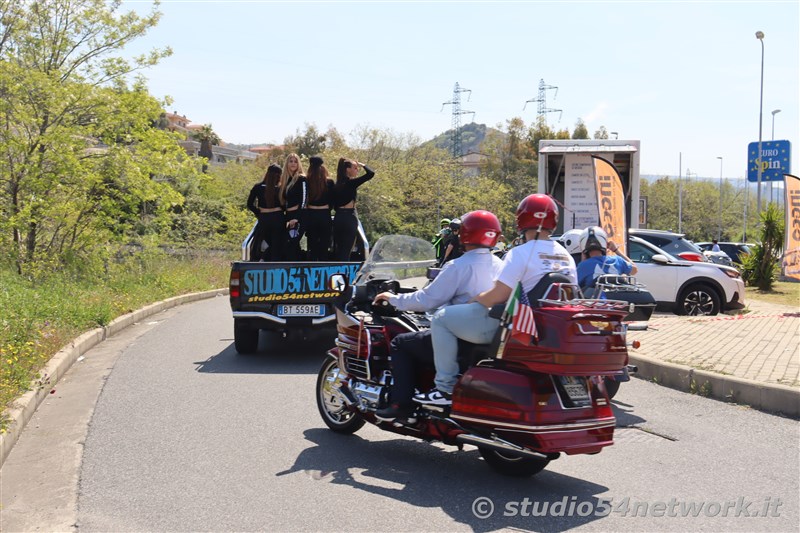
410	352
318	234
345	230
293	251
275	234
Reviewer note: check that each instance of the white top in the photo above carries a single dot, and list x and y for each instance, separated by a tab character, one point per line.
460	281
531	261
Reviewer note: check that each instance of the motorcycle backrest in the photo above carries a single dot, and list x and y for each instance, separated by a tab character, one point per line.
543	287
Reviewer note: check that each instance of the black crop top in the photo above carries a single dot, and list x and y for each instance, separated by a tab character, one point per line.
297	194
257	198
346	192
326	196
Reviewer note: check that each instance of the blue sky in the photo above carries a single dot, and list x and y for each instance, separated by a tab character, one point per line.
681	77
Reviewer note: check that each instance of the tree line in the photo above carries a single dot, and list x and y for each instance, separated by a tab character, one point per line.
87	168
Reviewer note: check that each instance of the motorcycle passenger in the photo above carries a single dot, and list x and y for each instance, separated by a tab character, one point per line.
537	218
451	243
458	282
594	242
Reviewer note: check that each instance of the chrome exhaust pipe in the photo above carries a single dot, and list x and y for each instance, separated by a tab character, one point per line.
500	445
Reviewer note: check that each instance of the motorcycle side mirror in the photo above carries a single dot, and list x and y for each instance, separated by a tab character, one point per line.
432	272
660	259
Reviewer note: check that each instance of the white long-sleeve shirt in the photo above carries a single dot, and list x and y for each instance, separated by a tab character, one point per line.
459	282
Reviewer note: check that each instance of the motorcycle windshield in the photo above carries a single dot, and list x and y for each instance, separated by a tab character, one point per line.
398	257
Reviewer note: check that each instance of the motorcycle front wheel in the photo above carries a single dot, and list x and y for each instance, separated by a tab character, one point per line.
513	465
331	406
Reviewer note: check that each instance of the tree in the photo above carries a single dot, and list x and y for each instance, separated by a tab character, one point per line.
580	131
602	133
78	150
759	266
207	138
308	143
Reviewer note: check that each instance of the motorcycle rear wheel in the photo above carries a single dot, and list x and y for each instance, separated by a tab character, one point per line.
513	465
331	407
612	387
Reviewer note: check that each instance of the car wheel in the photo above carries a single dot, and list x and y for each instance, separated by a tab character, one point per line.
698	299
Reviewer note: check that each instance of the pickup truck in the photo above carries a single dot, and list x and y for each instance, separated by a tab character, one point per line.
285	296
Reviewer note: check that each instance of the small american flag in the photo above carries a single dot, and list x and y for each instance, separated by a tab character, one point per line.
523	323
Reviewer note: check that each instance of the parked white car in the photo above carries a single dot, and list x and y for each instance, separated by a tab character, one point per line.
686	287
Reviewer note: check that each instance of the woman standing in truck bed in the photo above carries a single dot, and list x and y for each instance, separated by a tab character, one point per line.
345	222
265	203
294	195
318	214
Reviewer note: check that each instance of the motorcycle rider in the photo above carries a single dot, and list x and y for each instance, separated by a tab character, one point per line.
459	281
594	243
451	243
537	218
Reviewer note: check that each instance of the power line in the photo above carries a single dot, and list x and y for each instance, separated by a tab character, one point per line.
541	101
456	120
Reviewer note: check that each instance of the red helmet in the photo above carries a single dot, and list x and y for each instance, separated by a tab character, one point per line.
479	228
537	211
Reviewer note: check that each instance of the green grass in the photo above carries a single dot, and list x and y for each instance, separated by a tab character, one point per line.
782	292
40	316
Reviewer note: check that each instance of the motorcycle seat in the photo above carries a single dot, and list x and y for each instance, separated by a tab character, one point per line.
470	353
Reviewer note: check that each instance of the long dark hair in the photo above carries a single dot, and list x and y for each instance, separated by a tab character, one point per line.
317	178
341	172
272	180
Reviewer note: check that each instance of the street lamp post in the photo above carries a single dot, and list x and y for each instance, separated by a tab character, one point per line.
615	134
719	229
760	37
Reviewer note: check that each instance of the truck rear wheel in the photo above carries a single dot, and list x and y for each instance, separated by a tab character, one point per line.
245	338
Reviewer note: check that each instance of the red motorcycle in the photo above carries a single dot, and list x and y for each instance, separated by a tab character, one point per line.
521	401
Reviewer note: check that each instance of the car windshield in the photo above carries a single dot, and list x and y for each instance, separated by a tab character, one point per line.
398	257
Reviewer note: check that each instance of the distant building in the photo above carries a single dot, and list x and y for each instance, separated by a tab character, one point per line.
471	163
221	154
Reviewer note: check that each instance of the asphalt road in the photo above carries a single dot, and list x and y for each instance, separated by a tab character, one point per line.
166	428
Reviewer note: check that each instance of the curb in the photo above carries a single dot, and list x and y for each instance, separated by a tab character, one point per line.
23	408
769	397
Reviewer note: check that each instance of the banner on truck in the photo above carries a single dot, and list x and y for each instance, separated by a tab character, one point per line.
292	283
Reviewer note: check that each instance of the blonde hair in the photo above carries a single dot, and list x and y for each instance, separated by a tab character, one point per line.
287	179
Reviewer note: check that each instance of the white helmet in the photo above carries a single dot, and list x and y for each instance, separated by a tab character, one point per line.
594	238
571	240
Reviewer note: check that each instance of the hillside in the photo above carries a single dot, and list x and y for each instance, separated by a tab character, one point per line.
472	135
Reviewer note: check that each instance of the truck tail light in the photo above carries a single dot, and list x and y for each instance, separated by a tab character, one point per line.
234	284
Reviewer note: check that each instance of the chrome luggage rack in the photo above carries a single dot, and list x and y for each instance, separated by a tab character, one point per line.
619	282
568	294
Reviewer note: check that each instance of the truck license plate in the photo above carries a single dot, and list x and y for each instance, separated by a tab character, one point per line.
575	387
301	310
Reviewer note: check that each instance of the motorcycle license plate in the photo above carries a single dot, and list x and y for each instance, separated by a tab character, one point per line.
575	387
314	310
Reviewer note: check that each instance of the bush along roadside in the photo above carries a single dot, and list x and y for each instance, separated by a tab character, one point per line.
42	314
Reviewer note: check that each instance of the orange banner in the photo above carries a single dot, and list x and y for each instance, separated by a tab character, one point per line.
791	248
611	202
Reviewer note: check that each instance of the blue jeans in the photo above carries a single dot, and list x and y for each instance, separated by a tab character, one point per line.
470	322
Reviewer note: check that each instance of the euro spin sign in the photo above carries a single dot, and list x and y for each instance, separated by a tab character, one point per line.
775	160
